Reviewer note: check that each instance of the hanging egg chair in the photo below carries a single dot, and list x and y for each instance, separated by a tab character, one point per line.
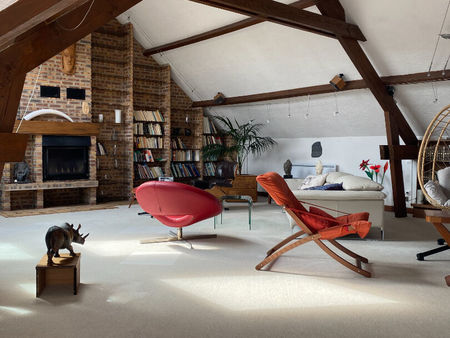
434	155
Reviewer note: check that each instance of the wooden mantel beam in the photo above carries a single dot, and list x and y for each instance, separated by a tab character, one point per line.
279	13
301	4
326	88
24	15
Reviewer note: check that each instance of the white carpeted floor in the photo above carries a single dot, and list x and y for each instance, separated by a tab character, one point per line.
213	290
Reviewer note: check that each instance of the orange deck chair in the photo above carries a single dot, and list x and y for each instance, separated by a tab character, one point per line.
316	225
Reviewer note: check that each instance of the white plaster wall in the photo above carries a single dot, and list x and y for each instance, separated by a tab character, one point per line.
346	152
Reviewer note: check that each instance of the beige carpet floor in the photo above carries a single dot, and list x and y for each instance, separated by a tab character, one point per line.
213	290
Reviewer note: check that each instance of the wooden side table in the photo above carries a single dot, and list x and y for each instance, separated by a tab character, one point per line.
64	271
437	218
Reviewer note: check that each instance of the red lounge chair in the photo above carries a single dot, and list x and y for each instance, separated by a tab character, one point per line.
177	205
316	224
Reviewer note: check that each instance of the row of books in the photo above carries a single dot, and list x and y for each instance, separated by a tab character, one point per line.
143	171
147	129
208	126
184	170
211	139
148	115
209	169
186	155
177	143
143	156
148	142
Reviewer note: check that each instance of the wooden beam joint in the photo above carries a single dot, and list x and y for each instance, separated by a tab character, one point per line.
402	152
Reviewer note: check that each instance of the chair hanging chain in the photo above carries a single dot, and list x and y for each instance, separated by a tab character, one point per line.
438	38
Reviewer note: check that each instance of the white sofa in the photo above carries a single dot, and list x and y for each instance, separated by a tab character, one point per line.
350	201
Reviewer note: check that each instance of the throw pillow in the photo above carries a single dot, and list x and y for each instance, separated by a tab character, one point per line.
443	176
434	190
313	181
336	177
330	186
351	182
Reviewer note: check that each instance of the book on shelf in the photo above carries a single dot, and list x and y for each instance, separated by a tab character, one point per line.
143	156
143	171
180	170
208	126
148	115
209	169
177	143
186	155
147	129
211	139
142	142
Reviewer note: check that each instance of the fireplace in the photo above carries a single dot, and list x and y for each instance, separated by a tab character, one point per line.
65	157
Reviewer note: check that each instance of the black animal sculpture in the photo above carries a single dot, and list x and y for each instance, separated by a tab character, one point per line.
61	237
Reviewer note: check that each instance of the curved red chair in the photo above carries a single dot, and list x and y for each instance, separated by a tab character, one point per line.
316	225
177	205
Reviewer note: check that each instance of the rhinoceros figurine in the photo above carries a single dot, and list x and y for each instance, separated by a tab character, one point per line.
61	237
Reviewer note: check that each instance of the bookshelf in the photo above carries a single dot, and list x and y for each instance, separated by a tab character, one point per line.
186	133
148	140
210	136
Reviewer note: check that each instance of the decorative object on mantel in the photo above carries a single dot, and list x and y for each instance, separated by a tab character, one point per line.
245	139
319	167
61	237
316	149
287	166
372	170
68	60
21	172
40	112
100	118
85	108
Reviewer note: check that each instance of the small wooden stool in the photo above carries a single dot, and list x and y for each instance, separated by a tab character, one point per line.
64	271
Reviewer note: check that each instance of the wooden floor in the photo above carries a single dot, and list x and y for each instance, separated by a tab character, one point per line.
60	210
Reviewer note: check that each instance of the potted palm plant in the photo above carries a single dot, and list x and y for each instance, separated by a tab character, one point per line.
245	138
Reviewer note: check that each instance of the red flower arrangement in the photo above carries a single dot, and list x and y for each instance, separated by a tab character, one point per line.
373	169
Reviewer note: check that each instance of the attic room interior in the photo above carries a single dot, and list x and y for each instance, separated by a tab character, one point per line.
224	168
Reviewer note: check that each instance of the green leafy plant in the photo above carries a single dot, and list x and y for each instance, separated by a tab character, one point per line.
246	139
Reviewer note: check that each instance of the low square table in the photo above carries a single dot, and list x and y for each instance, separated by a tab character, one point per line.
237	198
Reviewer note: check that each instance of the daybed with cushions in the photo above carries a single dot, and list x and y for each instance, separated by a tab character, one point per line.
359	194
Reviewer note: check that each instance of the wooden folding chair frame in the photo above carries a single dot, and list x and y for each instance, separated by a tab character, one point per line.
284	246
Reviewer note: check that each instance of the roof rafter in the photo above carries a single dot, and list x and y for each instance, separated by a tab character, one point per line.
286	15
24	15
326	88
301	4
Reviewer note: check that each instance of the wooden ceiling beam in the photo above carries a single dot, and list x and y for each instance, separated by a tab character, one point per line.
49	40
326	88
396	124
283	14
301	4
24	15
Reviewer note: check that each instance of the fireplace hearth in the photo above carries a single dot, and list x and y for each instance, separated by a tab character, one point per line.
65	157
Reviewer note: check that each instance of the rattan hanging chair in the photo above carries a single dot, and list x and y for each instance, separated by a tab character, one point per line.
434	153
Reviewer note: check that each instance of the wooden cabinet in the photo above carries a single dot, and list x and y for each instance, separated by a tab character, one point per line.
242	185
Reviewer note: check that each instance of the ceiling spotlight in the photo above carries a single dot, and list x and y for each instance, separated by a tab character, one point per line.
307	116
336	113
338	82
219	98
445	35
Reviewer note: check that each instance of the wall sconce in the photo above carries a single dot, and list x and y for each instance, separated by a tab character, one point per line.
338	82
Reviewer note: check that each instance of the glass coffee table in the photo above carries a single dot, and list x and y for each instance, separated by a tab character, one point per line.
237	198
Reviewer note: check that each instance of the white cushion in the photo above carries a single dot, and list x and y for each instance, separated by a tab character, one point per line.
434	190
443	176
334	177
351	182
313	181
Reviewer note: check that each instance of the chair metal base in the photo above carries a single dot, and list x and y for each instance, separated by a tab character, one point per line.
421	255
177	237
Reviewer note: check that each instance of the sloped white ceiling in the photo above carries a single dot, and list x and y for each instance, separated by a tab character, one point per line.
401	36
